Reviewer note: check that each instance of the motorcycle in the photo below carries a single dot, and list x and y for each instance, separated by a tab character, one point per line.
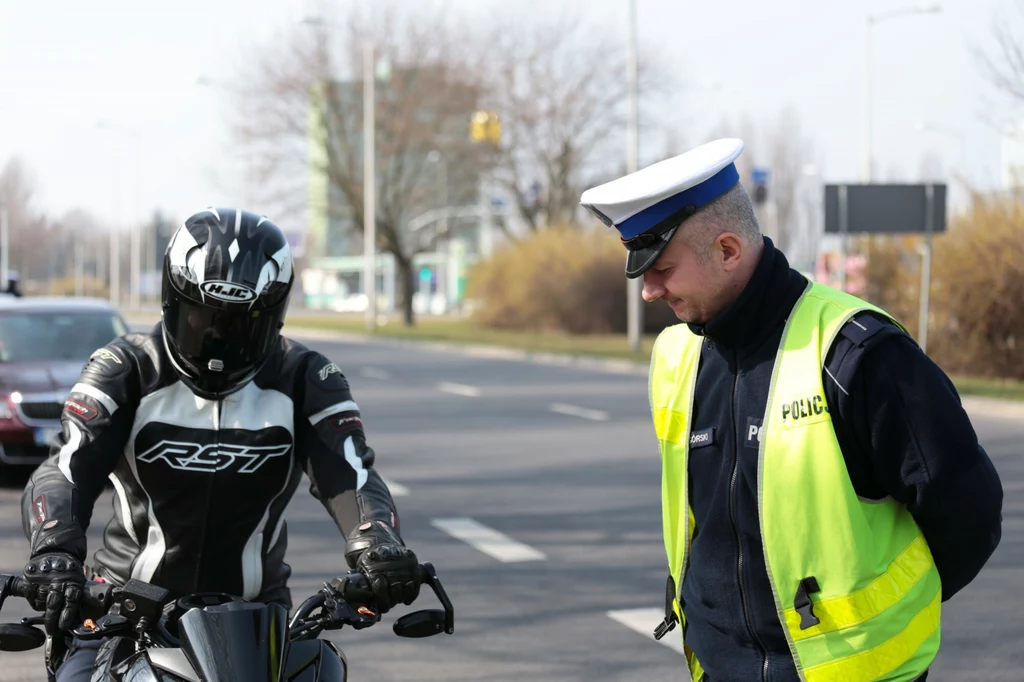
215	637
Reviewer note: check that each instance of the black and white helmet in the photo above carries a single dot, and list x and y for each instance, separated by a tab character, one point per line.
227	278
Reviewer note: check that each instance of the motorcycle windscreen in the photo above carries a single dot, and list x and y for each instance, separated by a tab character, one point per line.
235	641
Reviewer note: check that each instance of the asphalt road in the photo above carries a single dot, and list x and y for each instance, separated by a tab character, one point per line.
562	464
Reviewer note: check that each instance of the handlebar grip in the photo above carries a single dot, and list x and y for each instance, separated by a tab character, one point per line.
96	598
355	588
19	587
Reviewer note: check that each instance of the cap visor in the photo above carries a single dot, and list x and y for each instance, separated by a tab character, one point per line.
637	262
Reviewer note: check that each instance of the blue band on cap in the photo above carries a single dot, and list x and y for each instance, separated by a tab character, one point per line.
698	195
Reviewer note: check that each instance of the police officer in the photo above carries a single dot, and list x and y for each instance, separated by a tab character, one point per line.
823	488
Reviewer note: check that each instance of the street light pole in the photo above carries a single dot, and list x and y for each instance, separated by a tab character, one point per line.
634	287
369	186
871	20
133	227
5	256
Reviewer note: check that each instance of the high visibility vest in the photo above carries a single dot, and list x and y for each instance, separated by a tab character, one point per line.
854	583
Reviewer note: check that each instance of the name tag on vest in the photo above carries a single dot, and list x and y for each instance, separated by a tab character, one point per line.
699	439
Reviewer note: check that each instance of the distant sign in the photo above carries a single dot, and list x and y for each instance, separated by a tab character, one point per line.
886	209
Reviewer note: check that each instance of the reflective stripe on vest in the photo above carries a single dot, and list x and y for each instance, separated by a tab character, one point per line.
872	610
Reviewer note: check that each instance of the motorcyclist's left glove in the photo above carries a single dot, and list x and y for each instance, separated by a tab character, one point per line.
56	581
390	567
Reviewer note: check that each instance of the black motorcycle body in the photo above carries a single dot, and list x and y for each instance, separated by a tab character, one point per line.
232	641
147	637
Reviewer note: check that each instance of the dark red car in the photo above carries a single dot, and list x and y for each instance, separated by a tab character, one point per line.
44	343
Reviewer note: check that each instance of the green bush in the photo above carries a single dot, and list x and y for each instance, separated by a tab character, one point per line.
560	279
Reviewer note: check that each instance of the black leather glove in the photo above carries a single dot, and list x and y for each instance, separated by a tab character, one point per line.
390	567
55	583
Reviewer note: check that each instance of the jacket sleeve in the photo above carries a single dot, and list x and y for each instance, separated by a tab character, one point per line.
905	434
330	441
57	503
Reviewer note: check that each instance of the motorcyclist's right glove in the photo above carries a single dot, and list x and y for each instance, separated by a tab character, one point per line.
390	567
55	584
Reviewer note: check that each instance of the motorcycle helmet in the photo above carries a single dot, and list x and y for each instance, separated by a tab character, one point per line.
227	277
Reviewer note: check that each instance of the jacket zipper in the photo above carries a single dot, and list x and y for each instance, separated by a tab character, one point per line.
735	527
217	407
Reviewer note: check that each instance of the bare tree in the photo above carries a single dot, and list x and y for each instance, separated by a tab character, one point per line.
30	256
305	114
1003	57
560	88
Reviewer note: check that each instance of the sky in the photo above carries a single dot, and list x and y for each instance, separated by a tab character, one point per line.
67	66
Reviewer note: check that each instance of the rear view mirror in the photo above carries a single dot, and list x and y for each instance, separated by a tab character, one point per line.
18	637
421	623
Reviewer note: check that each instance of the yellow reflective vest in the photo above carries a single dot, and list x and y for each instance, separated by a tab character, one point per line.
855	586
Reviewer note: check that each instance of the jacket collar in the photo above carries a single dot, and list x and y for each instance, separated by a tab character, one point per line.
761	307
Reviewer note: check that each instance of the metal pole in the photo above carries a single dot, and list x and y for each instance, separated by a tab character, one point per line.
136	232
5	261
79	266
634	287
369	187
844	218
115	243
866	161
926	266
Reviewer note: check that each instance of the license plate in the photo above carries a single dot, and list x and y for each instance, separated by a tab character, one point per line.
46	434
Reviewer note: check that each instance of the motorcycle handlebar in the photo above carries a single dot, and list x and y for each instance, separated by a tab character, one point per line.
96	595
344	601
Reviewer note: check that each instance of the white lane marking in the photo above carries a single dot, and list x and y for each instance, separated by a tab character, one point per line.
574	411
489	541
397	489
459	389
644	621
374	373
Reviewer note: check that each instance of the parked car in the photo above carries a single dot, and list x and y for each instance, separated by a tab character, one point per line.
44	344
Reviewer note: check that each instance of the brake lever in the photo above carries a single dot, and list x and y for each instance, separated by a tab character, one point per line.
107	626
338	612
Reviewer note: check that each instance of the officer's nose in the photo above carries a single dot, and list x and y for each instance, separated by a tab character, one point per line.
654	288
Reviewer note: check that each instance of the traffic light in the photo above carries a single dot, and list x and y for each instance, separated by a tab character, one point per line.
484	126
759	178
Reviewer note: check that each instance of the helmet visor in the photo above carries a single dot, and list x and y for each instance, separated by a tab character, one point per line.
228	340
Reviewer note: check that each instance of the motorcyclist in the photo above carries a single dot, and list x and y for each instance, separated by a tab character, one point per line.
205	425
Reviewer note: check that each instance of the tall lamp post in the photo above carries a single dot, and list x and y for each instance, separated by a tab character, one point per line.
133	229
872	20
634	287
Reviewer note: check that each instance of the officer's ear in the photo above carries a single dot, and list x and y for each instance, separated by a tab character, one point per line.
728	248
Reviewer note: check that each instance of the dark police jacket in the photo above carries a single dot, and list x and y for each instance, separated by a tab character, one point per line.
903	434
201	486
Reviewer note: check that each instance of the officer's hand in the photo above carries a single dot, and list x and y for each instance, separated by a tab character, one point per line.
389	566
55	583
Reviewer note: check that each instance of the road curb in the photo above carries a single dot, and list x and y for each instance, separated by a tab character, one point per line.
976	406
610	365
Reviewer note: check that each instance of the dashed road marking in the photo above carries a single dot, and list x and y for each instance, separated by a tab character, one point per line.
459	389
644	621
397	489
374	373
488	540
576	411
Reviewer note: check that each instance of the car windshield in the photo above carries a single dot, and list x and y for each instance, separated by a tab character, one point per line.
45	335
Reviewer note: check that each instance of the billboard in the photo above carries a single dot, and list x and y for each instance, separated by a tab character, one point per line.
886	209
